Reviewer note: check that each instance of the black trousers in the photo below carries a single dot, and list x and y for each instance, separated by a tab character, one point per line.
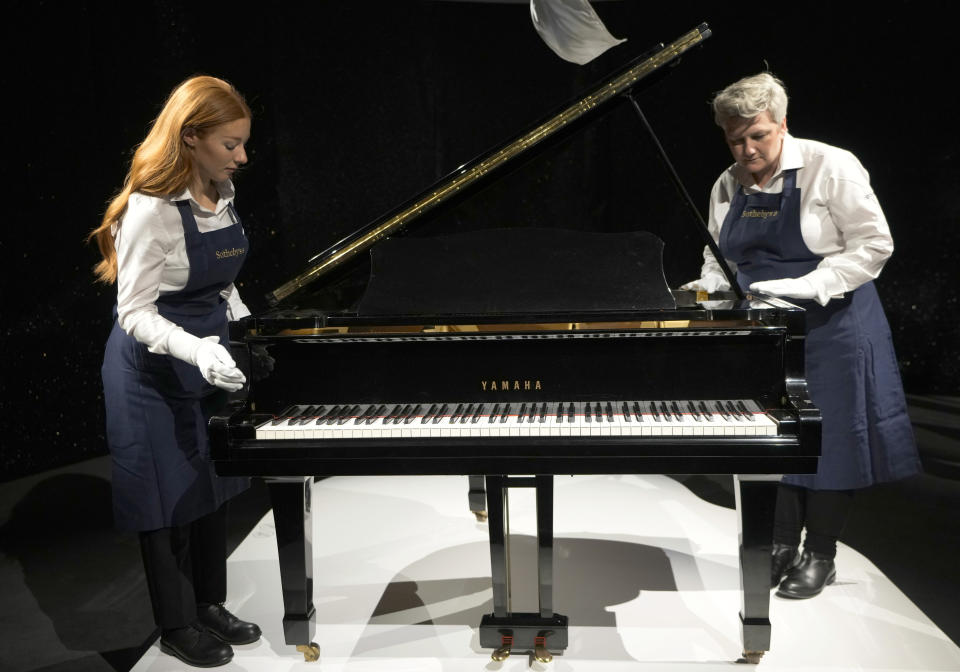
186	565
823	512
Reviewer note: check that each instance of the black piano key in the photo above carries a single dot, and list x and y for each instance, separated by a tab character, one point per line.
506	413
637	411
625	412
429	414
543	412
654	412
413	415
494	413
304	415
456	413
477	413
322	414
441	413
377	414
331	417
348	412
286	414
733	411
522	412
746	412
703	409
665	412
560	412
362	418
598	412
693	411
467	414
587	412
721	410
532	415
572	412
391	417
333	414
609	411
677	413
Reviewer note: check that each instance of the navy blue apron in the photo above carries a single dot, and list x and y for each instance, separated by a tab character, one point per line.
851	368
158	406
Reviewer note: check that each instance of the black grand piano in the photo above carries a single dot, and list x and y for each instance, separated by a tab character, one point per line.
512	355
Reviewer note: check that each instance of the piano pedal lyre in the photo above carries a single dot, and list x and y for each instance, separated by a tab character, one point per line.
502	653
311	652
540	651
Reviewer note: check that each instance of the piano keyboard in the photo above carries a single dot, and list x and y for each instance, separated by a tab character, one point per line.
724	417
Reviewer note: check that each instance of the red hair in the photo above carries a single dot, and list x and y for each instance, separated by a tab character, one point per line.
160	165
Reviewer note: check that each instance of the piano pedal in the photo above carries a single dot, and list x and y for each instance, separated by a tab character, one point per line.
311	652
481	516
540	651
501	654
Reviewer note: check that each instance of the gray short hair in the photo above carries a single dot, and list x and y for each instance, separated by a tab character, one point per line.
749	97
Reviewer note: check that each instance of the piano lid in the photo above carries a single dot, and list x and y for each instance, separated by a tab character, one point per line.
470	176
517	271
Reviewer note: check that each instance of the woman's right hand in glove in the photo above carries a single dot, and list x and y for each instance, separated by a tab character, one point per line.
217	366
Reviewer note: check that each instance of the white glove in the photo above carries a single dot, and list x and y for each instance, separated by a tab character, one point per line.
793	288
712	282
217	366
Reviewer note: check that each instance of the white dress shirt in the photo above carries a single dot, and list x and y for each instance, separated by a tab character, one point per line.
152	261
840	218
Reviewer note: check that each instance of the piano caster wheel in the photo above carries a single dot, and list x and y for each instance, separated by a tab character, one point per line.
540	651
752	657
481	516
501	654
311	652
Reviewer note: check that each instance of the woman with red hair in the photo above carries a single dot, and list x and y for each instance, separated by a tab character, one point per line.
173	243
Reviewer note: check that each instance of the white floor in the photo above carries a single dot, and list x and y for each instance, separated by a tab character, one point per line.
645	570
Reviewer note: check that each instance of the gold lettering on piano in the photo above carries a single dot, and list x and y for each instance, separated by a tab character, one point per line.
506	385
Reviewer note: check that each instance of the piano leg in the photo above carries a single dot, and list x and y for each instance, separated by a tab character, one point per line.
478	498
756	497
505	630
290	498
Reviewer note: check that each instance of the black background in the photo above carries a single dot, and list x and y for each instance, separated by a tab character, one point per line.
359	105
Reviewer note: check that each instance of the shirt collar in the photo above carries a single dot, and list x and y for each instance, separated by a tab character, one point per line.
790	159
224	189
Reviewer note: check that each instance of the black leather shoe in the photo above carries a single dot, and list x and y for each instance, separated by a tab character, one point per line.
809	577
195	647
783	559
225	626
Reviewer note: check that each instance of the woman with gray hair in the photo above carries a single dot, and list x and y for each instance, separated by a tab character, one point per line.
798	219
